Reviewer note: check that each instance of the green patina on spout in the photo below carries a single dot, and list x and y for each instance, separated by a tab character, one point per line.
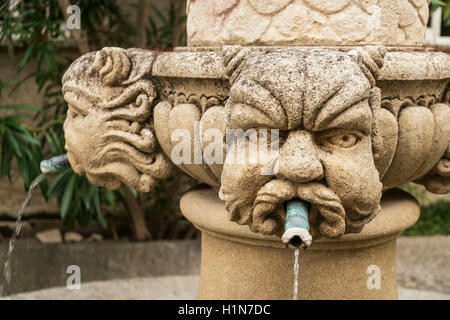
296	228
54	164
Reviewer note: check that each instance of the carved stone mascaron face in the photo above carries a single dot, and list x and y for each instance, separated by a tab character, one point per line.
321	103
338	148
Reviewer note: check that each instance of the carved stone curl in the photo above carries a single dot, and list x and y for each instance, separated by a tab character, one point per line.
342	140
109	129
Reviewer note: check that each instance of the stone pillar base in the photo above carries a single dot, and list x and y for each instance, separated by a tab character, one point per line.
239	264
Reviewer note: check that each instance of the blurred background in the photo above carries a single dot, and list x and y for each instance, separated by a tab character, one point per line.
35	50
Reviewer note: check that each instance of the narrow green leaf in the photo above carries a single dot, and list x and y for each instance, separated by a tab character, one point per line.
14	144
110	197
68	195
26	57
58	185
21	107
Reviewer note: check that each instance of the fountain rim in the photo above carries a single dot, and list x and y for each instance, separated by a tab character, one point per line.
206	62
206	211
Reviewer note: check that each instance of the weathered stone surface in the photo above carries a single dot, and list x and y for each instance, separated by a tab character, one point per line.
161	288
105	260
49	236
72	236
262	266
95	237
424	263
109	137
306	22
342	138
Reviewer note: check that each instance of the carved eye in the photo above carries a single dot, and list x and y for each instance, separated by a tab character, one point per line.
342	140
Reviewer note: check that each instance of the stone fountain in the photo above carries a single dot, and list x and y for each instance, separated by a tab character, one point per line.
334	103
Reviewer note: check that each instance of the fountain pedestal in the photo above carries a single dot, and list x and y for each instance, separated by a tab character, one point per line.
353	101
240	264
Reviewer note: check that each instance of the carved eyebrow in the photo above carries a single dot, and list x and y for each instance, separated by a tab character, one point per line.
348	95
357	117
255	95
76	102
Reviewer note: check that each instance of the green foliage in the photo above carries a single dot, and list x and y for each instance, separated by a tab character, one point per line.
104	23
34	33
417	191
161	33
78	199
16	141
434	219
445	9
434	216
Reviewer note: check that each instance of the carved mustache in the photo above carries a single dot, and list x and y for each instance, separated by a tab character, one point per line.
327	214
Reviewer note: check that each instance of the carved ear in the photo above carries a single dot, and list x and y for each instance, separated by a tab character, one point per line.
117	66
233	58
371	59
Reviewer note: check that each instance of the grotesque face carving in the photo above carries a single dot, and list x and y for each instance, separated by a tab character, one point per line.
108	130
322	103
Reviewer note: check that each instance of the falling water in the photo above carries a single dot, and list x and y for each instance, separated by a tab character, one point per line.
7	266
296	267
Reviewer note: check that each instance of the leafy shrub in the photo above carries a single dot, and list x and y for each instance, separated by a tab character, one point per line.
434	219
34	31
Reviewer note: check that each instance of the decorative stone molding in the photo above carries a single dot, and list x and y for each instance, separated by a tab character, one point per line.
109	133
343	140
306	22
260	267
351	123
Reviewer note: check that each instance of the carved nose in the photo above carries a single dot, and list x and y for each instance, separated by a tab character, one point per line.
297	160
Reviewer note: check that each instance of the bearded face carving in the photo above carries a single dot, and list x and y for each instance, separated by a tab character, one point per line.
108	130
338	149
322	103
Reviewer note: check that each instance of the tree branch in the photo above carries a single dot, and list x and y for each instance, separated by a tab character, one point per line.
143	8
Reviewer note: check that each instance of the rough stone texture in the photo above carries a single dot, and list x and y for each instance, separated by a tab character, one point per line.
151	288
109	137
49	236
424	263
36	266
344	136
95	237
160	288
72	236
237	264
306	22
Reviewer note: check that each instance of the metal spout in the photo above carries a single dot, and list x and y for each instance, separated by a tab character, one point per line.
54	164
296	228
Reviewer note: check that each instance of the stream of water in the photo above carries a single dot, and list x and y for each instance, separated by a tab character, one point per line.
7	266
296	267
